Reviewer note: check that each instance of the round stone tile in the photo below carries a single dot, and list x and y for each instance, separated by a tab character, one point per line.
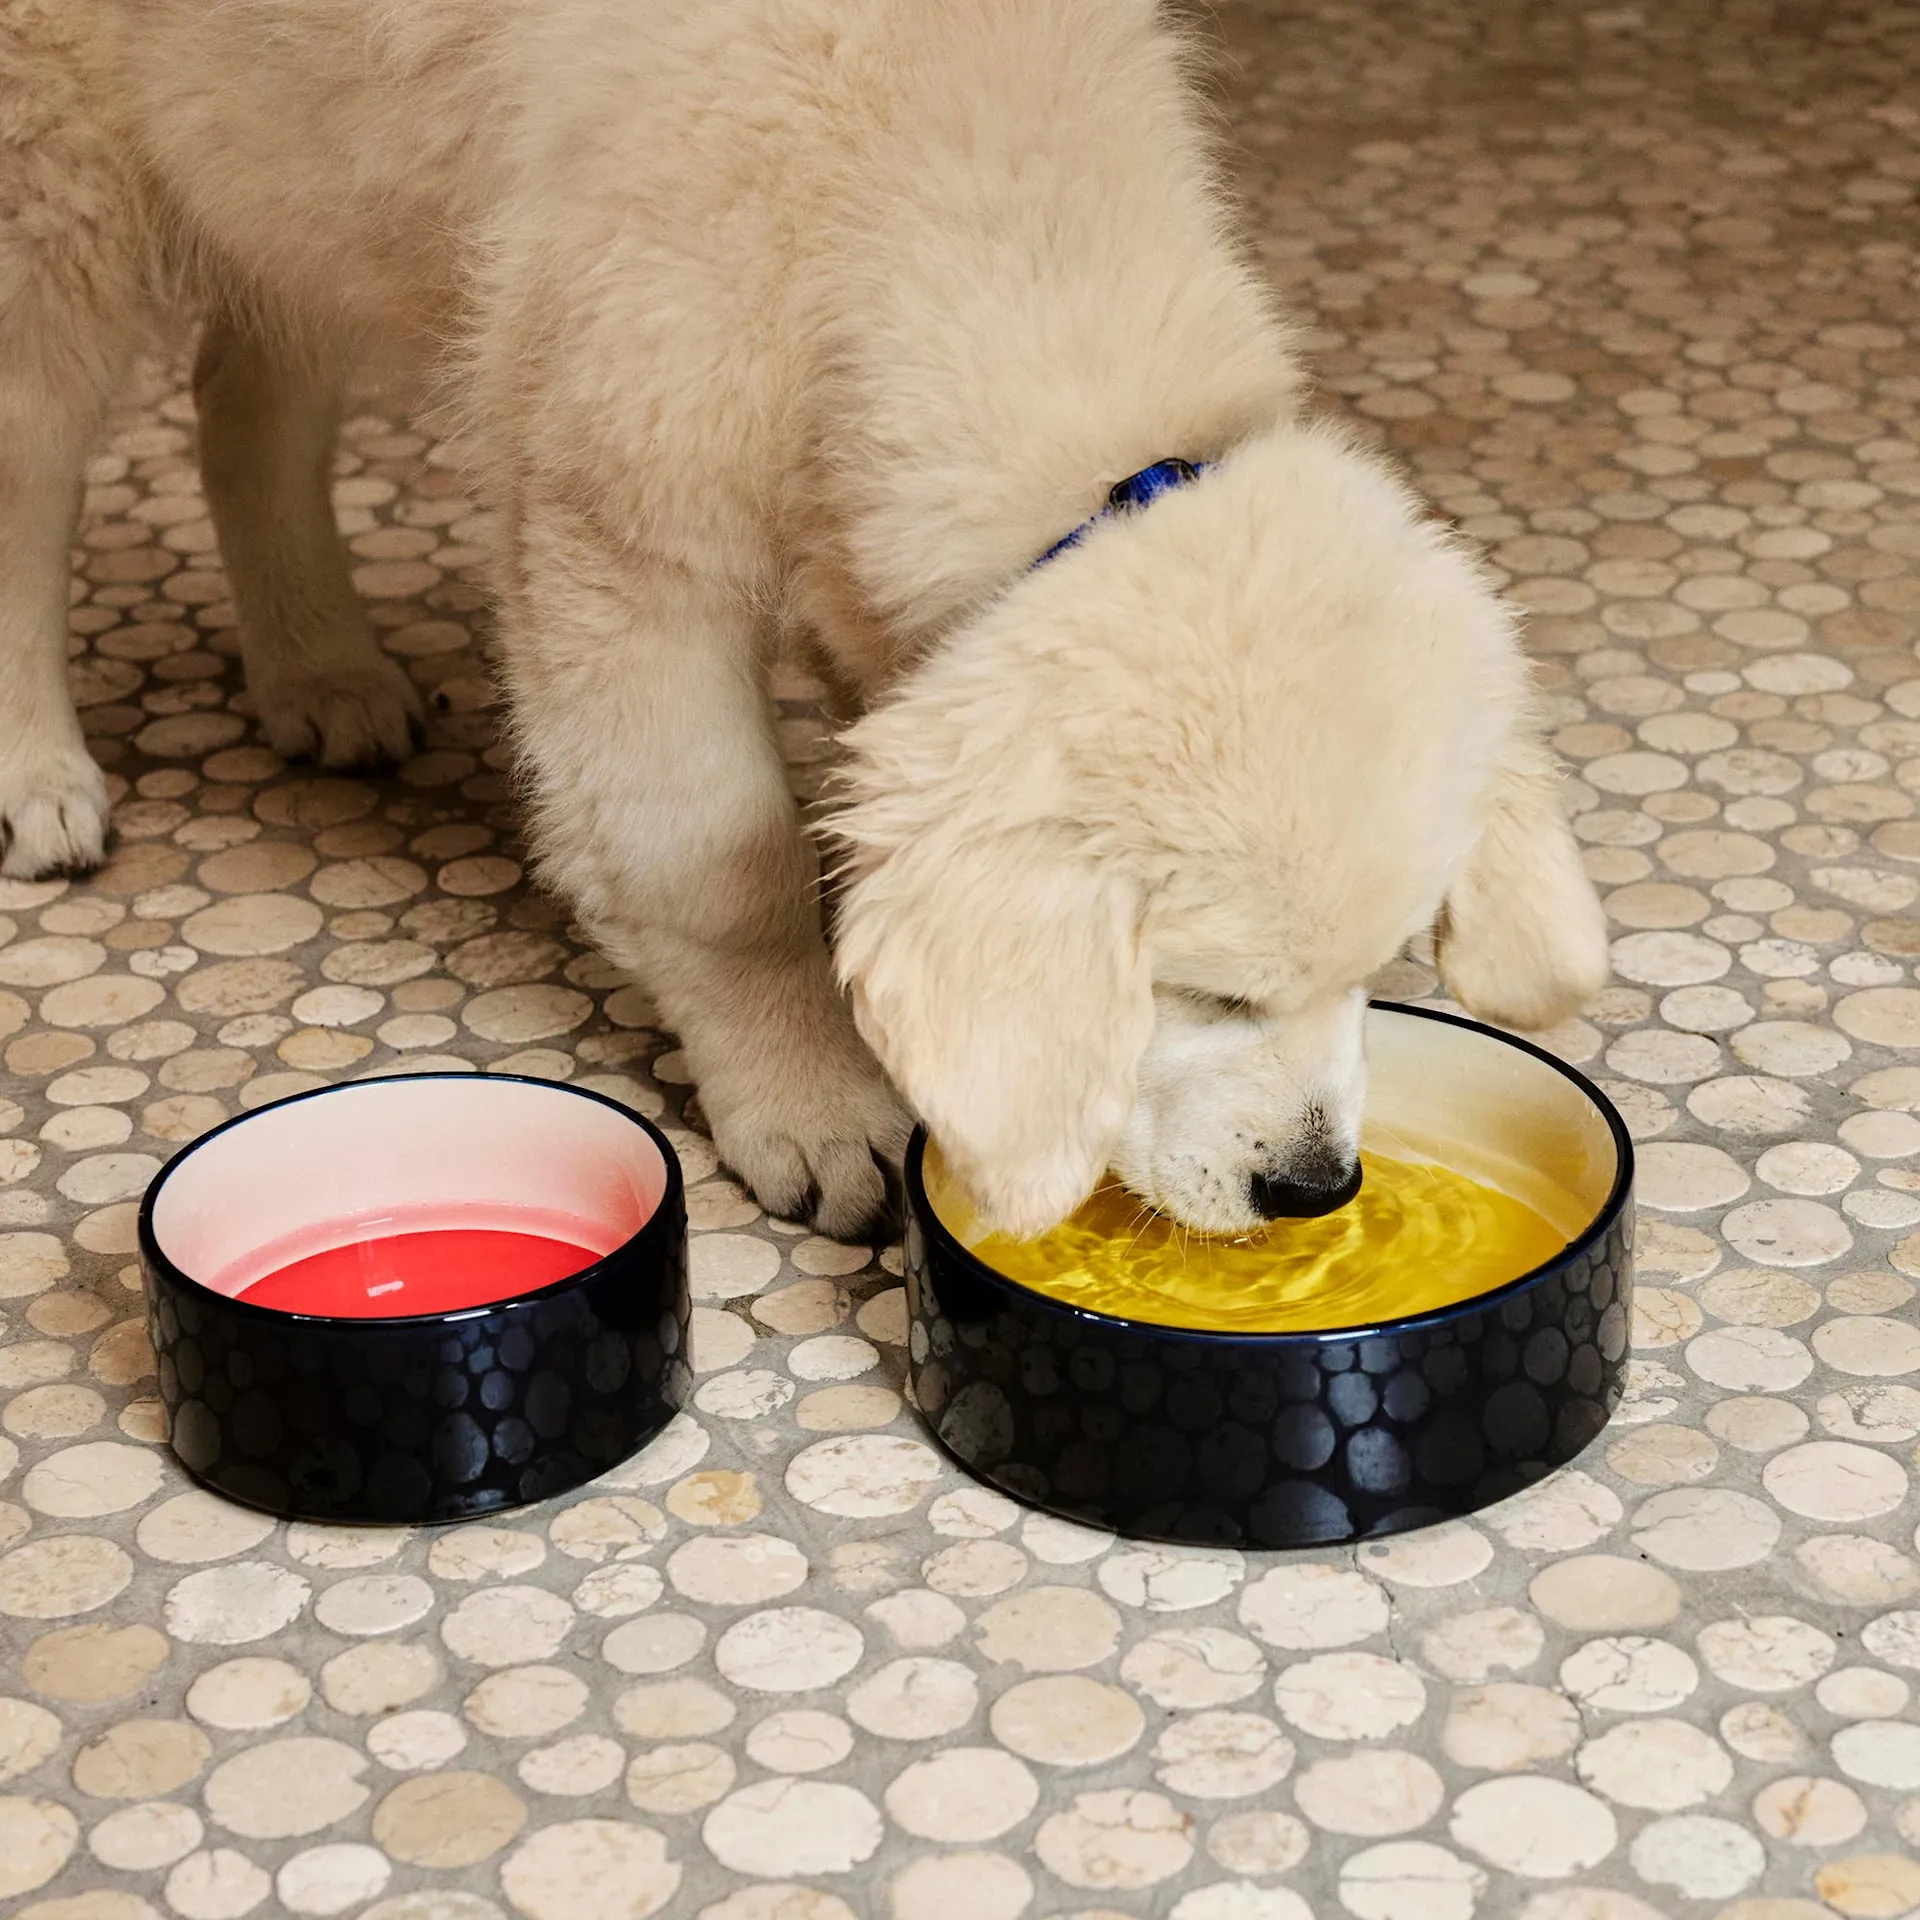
331	1879
679	1778
799	1741
1438	1556
1809	1812
416	1742
447	1820
1193	1668
1169	1580
248	1695
1699	1856
1222	1756
1603	1593
916	1698
1879	1753
217	1883
1115	1840
1405	1878
195	1527
1257	1843
1476	1644
656	1644
1865	1885
145	1836
788	1650
1049	1629
284	1788
938	1886
578	1767
1659	1765
1066	1720
1629	1673
56	1578
1382	1791
1349	1696
590	1870
140	1759
975	1569
1308	1606
785	1826
1705	1530
28	1735
1835	1480
736	1570
230	1605
1532	1826
504	1626
962	1794
1509	1727
525	1703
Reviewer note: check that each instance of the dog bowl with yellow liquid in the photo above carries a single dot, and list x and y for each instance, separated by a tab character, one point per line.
1455	1331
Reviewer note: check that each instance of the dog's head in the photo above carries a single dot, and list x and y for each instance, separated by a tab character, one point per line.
1122	853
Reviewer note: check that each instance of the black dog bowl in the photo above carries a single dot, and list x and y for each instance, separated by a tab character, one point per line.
1299	1439
547	1233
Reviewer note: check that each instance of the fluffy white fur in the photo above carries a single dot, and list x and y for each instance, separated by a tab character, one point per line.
817	318
1124	857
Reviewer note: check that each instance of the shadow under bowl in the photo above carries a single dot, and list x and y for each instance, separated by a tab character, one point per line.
1306	1438
525	1388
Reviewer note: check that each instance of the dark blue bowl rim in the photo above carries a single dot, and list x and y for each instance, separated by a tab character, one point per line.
1027	1298
667	1209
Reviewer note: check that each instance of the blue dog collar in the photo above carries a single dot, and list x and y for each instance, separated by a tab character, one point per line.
1136	490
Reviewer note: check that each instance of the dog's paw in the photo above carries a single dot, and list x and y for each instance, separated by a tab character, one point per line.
825	1147
53	814
343	717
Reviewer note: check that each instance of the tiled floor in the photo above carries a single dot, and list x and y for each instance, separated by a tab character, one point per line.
1636	293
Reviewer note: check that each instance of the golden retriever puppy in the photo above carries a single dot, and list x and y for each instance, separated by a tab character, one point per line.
828	318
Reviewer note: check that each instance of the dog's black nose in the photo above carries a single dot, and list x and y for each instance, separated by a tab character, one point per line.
1275	1197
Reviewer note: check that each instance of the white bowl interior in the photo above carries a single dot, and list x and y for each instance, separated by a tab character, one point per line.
399	1156
1472	1102
1465	1099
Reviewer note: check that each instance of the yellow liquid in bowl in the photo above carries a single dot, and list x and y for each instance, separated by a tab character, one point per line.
1417	1237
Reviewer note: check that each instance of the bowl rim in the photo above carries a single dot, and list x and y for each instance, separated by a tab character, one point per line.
672	1198
951	1247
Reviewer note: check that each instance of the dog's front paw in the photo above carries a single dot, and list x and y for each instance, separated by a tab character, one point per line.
53	813
823	1143
342	717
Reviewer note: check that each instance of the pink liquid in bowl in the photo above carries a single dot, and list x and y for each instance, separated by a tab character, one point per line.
390	1269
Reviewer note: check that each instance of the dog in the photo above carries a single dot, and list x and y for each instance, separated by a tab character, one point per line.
828	319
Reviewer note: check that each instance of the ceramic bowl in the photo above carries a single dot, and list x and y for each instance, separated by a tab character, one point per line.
523	1392
1302	1438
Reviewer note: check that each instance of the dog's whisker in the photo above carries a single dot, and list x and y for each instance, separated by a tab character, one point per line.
1141	1222
1410	1149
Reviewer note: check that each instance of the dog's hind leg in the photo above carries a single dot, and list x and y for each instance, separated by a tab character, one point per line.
661	809
269	410
68	297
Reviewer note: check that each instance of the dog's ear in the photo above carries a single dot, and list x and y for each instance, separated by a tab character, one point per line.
1001	983
1522	939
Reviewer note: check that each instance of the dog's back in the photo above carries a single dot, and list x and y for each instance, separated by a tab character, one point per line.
322	161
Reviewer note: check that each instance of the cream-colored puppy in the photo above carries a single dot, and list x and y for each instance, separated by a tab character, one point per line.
824	317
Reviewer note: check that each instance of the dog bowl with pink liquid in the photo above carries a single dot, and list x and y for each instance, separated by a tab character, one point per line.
417	1298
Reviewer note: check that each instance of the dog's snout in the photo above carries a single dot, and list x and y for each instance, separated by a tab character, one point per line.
1278	1196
